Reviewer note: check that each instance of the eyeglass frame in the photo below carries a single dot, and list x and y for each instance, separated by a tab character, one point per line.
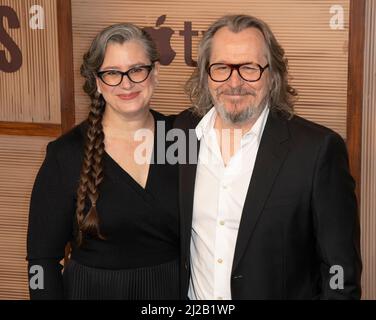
125	73
237	67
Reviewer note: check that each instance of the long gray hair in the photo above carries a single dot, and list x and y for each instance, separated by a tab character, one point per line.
118	33
281	95
92	168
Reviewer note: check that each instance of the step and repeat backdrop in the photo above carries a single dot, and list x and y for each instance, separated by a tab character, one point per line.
29	62
29	107
313	33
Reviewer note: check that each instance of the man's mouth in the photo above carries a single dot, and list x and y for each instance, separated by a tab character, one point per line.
236	92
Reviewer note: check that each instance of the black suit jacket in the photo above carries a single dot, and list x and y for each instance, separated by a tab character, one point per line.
300	217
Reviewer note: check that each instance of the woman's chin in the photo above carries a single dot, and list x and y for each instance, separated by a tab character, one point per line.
132	108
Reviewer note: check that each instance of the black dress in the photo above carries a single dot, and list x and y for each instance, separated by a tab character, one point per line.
138	258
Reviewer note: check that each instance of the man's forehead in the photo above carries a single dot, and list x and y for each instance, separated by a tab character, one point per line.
248	42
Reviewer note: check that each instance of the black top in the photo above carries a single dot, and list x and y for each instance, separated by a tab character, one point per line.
140	225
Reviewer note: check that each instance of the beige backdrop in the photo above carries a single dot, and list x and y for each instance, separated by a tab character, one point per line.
32	93
318	65
317	53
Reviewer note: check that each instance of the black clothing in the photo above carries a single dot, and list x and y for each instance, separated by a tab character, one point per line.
300	216
140	225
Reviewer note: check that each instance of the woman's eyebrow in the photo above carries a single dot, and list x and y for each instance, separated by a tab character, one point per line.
120	67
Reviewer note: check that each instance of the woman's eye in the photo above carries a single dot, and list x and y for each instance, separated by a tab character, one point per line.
112	73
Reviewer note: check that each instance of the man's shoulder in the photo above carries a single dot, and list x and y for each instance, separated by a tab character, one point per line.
187	119
302	125
302	129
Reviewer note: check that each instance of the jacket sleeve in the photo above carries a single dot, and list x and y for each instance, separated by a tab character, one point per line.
336	222
49	230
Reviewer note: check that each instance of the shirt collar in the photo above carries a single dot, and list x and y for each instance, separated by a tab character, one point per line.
258	128
207	123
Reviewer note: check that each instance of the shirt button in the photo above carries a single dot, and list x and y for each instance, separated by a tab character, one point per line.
220	260
222	223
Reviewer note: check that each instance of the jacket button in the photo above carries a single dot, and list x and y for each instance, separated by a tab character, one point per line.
237	277
186	266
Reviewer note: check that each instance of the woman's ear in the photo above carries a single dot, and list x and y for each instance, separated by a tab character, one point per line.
156	69
98	85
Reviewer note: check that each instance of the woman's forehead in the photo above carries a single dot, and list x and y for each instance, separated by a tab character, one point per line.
126	54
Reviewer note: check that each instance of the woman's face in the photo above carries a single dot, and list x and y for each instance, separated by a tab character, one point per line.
127	98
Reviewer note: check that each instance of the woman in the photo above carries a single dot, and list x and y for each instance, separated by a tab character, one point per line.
119	213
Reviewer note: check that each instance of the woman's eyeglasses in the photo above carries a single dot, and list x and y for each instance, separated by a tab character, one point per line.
115	77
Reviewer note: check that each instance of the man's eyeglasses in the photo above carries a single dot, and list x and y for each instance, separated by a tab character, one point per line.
115	77
251	72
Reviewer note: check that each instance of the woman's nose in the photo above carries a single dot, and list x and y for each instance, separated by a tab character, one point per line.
126	83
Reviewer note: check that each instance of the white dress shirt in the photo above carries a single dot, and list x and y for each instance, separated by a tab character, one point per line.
219	197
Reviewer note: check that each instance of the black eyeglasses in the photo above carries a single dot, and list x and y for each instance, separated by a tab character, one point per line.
115	77
251	72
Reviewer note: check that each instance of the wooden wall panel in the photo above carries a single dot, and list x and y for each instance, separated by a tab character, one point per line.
32	93
355	89
368	178
20	159
318	63
318	54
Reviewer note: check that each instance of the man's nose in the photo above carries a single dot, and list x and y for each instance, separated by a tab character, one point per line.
235	80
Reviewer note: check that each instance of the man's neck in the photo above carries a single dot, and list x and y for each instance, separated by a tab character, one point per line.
229	135
221	124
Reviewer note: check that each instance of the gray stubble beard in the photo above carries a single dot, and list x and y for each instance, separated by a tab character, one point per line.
237	118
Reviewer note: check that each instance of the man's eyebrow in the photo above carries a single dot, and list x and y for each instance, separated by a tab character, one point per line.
225	62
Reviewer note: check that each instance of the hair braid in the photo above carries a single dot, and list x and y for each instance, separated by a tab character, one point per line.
91	173
92	168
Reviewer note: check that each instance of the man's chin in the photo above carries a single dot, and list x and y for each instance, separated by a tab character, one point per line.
234	107
236	114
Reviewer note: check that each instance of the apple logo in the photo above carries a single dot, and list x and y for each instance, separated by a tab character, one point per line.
162	37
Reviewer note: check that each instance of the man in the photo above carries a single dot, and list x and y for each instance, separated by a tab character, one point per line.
269	210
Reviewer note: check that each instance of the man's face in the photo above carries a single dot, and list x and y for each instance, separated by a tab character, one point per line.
237	100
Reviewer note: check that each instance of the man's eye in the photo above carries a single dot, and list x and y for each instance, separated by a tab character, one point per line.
220	68
136	70
249	68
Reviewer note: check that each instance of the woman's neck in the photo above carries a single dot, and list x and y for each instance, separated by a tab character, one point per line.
116	125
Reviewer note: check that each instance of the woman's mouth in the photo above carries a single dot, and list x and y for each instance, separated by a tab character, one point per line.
129	96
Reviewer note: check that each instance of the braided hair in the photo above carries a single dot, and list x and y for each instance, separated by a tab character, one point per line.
91	175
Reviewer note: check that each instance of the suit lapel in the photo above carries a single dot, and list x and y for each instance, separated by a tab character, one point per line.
186	185
187	177
270	157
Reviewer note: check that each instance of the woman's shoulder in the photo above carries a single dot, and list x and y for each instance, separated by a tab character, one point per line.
64	156
70	142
